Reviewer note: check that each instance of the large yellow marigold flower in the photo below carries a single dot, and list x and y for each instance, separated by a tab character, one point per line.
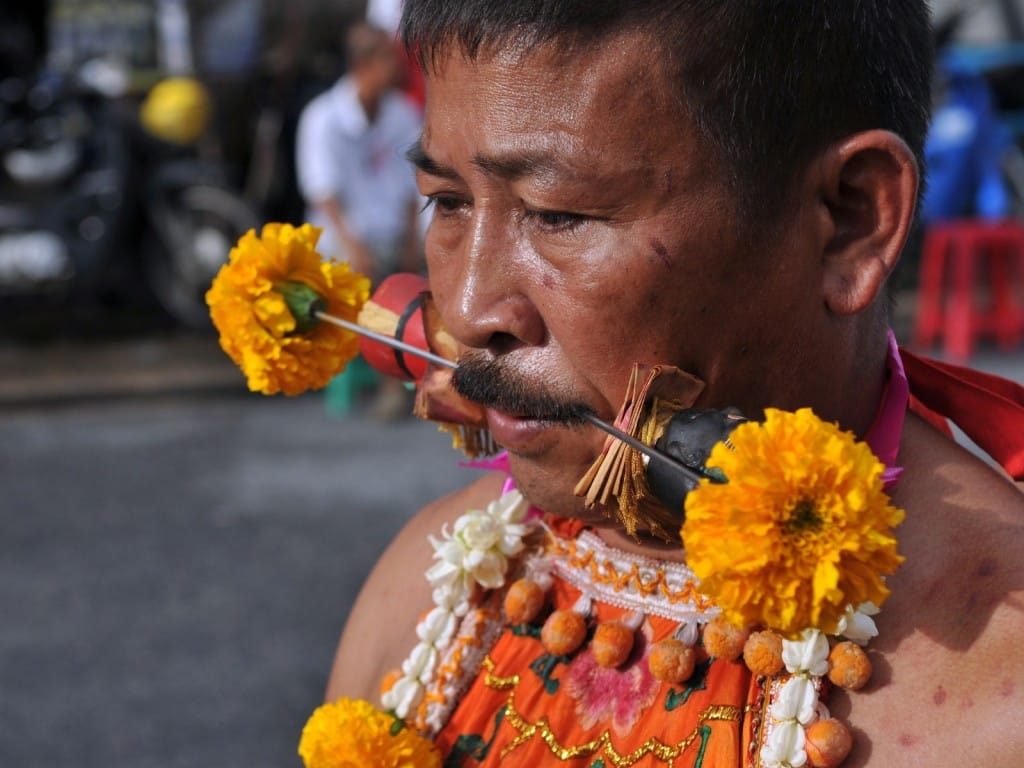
352	733
801	530
259	332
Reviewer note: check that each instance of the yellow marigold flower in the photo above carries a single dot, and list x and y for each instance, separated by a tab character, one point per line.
801	530
277	352
352	733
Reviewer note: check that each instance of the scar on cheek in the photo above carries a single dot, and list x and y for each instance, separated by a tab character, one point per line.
661	252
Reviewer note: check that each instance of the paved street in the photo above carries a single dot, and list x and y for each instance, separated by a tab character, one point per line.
177	556
175	568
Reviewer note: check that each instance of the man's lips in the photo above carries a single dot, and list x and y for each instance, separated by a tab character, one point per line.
516	433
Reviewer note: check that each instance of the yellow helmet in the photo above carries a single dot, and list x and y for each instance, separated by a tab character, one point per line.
177	109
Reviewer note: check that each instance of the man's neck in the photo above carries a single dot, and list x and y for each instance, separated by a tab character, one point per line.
641	544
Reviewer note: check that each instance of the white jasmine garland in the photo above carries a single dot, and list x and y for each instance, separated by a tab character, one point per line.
808	655
796	705
784	747
440	622
475	552
797	701
857	625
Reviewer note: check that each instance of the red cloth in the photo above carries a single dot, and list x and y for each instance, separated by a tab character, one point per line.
988	408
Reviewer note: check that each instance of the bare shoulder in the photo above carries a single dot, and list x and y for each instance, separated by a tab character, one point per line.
380	631
949	683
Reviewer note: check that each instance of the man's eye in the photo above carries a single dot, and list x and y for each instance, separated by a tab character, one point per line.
556	221
443	204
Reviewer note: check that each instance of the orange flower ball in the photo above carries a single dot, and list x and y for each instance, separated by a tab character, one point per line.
612	644
671	661
762	653
724	640
828	743
563	632
849	666
523	602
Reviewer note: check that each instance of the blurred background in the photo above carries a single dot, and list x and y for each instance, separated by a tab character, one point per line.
177	556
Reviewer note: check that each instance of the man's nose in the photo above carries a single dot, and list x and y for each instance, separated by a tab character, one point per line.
486	291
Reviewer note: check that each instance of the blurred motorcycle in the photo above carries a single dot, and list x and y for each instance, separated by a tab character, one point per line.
101	197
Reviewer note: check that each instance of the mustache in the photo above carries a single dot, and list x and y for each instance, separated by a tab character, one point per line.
490	384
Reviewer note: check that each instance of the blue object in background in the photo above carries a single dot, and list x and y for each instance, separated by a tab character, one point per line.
968	138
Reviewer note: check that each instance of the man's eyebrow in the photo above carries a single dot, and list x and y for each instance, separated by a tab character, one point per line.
419	157
518	166
510	167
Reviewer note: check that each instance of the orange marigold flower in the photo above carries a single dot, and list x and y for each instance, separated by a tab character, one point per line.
801	530
276	351
352	732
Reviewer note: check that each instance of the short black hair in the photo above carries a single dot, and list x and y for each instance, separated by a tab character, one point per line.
769	83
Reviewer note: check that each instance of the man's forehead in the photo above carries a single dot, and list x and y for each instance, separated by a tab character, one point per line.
540	111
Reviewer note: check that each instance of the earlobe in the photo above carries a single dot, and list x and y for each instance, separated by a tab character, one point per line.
869	190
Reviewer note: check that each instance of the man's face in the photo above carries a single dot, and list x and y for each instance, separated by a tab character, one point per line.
579	226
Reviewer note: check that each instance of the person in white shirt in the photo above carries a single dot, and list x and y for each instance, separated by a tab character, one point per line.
353	175
350	158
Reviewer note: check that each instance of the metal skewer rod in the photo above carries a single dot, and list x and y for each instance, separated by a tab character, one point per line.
649	451
383	338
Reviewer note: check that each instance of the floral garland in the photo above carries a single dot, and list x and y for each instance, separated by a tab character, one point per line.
795	544
475	554
262	303
351	732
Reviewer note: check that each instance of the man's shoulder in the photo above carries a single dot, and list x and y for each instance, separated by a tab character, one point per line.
947	654
382	626
964	526
332	107
317	106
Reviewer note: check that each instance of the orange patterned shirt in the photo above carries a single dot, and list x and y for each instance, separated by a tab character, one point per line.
513	703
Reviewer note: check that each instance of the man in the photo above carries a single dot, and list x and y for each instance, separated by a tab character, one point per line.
724	187
350	163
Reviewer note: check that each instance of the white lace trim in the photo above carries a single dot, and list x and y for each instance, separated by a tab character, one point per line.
659	592
486	634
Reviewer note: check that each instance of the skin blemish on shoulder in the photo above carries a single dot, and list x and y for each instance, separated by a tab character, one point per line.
967	702
1006	688
939	697
908	739
986	568
661	252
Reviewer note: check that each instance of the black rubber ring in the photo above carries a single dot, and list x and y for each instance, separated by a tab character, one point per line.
410	308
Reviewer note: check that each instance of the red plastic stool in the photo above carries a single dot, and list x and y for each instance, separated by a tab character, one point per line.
968	252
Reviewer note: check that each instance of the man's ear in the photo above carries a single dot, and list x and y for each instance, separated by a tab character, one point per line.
869	190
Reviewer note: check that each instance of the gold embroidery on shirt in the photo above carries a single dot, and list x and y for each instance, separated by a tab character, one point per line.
602	745
494	682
